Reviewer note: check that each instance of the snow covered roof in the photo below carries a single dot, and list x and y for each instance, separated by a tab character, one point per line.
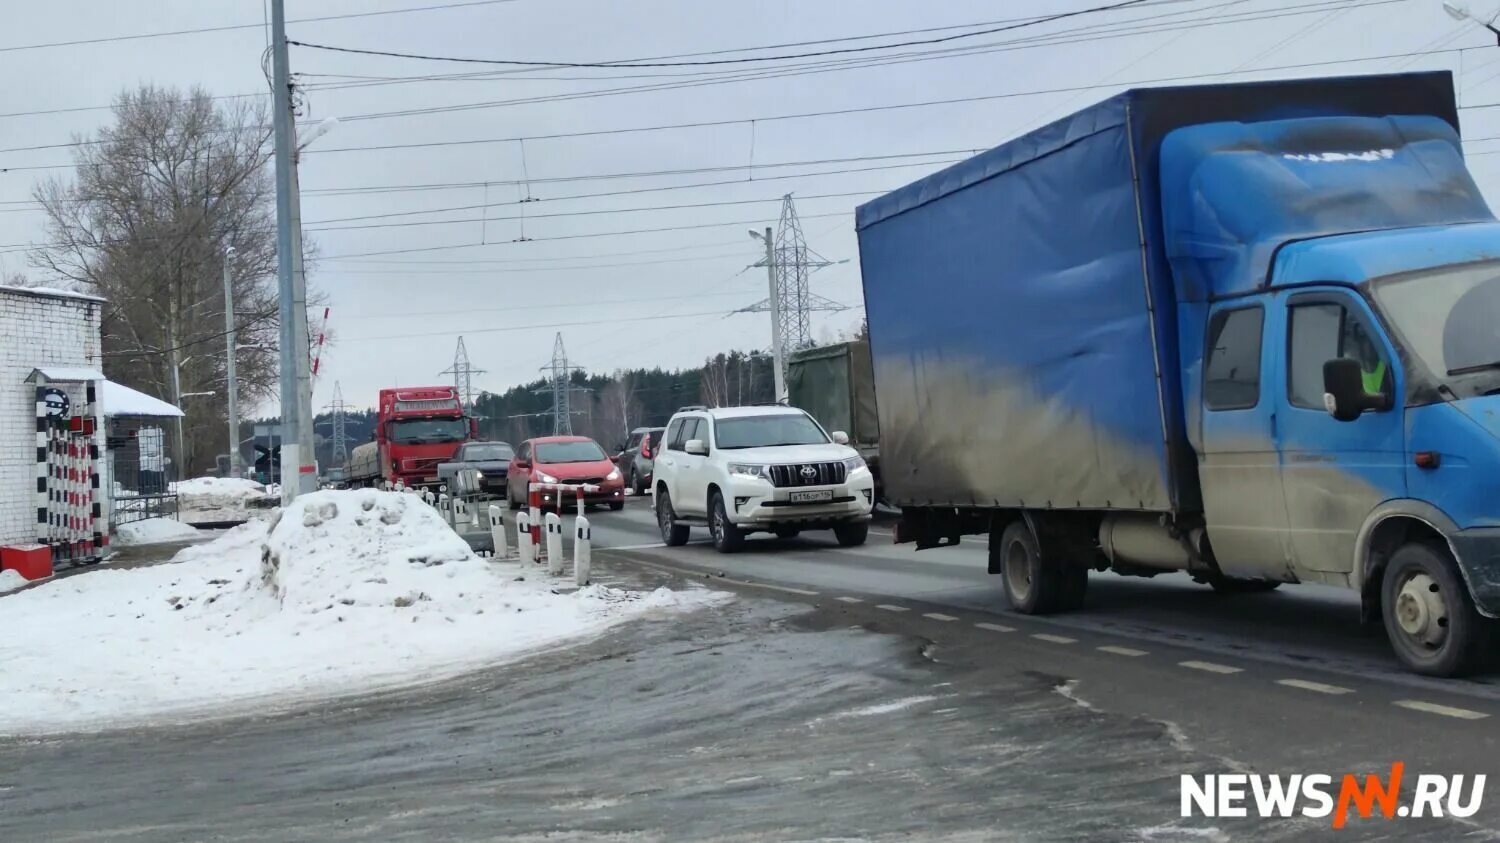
124	401
64	374
50	292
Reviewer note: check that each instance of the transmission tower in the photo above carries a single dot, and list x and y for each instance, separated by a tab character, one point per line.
340	437
791	262
561	377
463	373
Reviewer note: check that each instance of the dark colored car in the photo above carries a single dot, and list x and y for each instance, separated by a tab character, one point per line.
490	459
572	460
639	457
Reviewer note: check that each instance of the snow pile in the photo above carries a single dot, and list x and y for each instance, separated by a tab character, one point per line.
153	531
344	592
209	499
10	581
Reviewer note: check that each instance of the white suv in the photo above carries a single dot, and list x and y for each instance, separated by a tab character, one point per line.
739	470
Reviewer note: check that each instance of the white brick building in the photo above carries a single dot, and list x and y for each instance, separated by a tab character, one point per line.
45	330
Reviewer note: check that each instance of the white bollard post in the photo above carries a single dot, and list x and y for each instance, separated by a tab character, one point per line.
400	485
445	508
427	496
582	551
524	545
554	544
497	532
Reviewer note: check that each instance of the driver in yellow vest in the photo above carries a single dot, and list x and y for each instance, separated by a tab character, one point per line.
1371	362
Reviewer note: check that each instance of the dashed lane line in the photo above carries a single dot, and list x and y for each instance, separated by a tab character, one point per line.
995	627
1121	651
1444	710
1055	639
890	608
849	599
1316	687
1210	667
939	616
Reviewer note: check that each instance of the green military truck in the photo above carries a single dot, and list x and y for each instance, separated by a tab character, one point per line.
836	384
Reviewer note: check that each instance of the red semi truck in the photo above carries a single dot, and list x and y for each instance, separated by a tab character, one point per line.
416	428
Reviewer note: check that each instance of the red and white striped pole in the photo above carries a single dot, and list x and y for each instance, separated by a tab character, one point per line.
535	505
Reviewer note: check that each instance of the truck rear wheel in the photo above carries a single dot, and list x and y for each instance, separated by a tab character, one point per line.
1032	586
1428	613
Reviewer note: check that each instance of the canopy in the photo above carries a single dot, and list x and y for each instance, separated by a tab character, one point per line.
124	401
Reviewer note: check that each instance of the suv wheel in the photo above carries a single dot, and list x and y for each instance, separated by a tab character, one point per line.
674	535
727	537
851	534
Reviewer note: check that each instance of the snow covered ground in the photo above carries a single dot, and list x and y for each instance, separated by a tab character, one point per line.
155	531
10	581
204	500
344	592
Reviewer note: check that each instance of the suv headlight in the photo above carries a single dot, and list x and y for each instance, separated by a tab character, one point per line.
854	463
745	469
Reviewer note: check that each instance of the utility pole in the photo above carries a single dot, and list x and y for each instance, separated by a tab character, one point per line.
180	444
774	298
296	392
236	464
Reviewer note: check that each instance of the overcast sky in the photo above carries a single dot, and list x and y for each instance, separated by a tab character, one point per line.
398	316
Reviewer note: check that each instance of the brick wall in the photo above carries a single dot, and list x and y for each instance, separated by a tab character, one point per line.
35	330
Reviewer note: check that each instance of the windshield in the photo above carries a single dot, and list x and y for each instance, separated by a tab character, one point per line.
488	452
556	452
429	431
767	431
1446	317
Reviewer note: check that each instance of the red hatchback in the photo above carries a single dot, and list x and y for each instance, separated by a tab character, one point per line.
564	459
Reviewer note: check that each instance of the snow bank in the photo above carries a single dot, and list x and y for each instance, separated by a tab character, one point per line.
209	499
10	581
154	530
343	592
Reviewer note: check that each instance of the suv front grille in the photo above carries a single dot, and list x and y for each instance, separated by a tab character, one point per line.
808	474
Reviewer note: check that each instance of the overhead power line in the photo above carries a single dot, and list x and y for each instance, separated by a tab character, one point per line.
742	60
237	26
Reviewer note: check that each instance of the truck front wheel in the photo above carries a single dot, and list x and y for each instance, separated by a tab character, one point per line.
1032	586
1429	616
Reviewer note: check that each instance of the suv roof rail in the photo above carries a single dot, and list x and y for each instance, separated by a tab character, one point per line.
782	403
691	407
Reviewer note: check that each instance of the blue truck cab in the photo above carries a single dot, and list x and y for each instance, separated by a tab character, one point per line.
1251	332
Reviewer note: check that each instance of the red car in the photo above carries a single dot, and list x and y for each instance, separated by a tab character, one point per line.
564	459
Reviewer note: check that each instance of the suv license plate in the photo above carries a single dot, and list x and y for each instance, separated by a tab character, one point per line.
811	497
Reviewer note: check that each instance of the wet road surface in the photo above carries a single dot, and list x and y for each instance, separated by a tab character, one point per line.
846	694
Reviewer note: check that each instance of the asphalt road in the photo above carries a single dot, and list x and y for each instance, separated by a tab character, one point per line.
869	693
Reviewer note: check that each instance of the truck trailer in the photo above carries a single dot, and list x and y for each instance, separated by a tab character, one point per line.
834	383
416	427
1246	331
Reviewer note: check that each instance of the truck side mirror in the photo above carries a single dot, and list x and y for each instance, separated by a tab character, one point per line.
1344	393
840	437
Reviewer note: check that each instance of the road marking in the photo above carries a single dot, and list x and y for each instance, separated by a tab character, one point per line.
1314	686
849	599
787	589
995	627
635	546
1210	667
939	616
1445	710
1121	651
890	608
1055	639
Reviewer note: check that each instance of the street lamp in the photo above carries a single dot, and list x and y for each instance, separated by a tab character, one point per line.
1460	11
775	302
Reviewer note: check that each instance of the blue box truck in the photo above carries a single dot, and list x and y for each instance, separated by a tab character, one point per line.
1248	331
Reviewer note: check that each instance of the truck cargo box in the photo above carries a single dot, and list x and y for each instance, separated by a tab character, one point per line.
835	384
1021	308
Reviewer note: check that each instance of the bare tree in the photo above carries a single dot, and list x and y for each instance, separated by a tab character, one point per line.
156	203
713	387
618	408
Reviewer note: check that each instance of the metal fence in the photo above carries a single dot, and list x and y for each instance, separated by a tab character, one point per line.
140	470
